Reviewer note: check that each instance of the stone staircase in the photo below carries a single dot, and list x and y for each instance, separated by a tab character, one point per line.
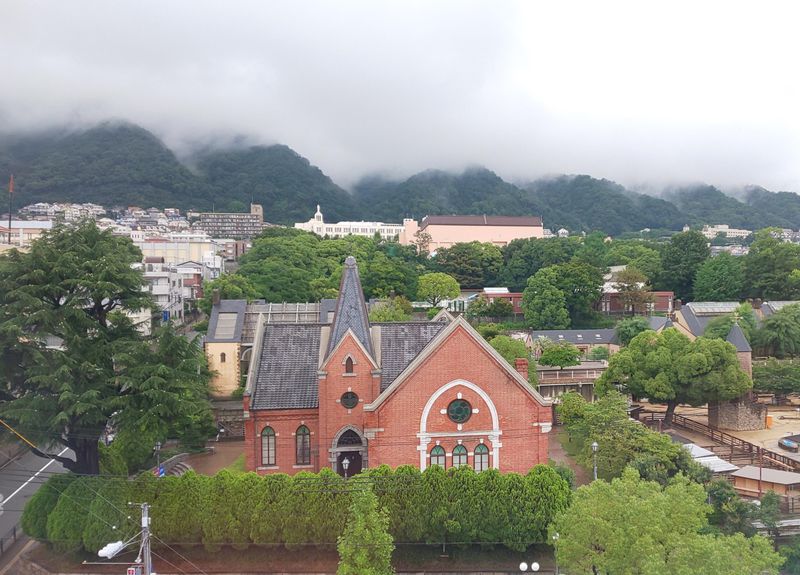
179	469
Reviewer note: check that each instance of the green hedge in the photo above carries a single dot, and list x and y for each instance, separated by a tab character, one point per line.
457	506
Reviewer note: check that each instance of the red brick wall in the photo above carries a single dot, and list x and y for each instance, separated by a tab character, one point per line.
397	420
460	357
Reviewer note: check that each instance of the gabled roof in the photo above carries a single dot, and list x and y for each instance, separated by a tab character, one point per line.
769	475
401	343
226	322
738	339
483	220
287	368
443	316
351	309
697	315
434	344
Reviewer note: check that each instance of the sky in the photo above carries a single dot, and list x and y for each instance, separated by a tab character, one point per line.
645	93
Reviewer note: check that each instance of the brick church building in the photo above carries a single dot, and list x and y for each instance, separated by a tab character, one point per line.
418	392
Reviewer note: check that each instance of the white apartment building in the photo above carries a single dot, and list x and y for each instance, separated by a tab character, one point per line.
712	232
318	226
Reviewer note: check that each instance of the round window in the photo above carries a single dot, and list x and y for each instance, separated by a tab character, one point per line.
459	411
349	400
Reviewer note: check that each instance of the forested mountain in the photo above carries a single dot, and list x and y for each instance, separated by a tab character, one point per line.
277	177
585	203
122	164
475	191
113	163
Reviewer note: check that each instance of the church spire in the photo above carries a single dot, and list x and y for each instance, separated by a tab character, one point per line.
351	309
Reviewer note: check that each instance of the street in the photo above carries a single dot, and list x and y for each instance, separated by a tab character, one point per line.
19	480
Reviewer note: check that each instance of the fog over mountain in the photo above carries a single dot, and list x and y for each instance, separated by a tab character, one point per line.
644	94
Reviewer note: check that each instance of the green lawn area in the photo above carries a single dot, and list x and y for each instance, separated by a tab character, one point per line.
573	447
238	465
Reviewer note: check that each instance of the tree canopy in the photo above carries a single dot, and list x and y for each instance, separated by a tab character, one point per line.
666	367
680	260
635	526
85	365
473	264
437	286
719	279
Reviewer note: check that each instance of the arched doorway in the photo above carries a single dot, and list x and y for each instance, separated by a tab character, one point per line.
349	445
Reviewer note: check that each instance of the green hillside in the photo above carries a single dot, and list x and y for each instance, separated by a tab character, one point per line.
280	179
119	164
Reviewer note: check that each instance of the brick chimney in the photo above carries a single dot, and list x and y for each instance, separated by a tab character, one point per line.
521	365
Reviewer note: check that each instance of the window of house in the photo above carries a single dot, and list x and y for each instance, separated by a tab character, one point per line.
349	399
348	365
459	456
303	445
222	358
481	457
438	456
268	446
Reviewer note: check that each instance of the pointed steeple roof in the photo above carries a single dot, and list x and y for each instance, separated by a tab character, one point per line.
351	309
737	338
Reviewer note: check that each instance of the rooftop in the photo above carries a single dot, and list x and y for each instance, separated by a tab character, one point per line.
770	475
484	220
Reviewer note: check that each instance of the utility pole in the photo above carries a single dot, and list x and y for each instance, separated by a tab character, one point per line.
145	549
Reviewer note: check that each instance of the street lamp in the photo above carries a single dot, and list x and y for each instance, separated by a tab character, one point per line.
345	465
595	447
524	566
555	550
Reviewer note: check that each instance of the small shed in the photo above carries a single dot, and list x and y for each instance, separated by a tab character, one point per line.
710	460
746	481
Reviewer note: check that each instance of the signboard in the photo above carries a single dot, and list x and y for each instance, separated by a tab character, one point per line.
165	316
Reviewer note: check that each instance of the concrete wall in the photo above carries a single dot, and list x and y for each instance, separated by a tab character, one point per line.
226	379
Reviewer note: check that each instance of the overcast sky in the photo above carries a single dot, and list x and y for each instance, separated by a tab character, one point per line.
688	91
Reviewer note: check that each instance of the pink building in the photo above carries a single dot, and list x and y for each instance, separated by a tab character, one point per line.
444	231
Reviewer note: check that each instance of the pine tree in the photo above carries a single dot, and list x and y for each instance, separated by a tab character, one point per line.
365	547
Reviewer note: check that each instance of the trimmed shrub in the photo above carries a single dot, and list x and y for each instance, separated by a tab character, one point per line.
42	503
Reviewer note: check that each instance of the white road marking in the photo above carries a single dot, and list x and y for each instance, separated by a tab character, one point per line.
34	476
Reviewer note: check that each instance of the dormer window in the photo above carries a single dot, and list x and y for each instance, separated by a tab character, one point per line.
348	365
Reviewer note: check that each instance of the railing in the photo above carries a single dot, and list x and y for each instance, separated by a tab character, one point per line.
570	374
759	453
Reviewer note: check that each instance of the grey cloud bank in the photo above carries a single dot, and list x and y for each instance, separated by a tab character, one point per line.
642	94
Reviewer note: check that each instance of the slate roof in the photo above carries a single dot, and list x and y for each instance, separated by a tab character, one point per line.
578	336
770	307
657	322
737	338
697	315
351	309
483	220
227	306
401	343
287	371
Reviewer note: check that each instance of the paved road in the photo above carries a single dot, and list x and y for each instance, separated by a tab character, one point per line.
19	480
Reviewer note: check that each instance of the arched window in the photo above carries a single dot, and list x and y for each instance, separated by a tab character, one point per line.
303	445
459	456
348	365
481	457
268	446
222	358
437	456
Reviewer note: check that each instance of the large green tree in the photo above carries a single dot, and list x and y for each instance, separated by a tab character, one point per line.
680	260
634	292
523	258
629	328
544	305
365	547
667	367
229	286
744	315
639	527
768	266
779	335
437	286
719	279
473	264
86	364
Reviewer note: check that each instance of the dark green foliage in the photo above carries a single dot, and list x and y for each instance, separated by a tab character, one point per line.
473	265
776	376
719	279
112	462
561	354
239	509
730	513
792	554
304	267
779	335
523	258
67	520
365	547
680	260
629	328
39	506
230	286
277	177
720	327
768	266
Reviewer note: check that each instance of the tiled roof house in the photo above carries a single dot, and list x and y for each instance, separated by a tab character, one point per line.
421	393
